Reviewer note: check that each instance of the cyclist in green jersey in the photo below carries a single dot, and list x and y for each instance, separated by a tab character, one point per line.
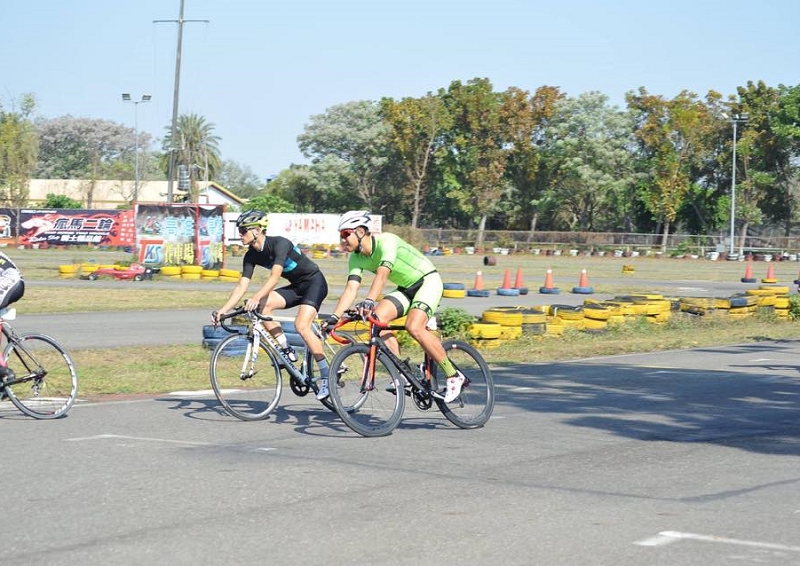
419	288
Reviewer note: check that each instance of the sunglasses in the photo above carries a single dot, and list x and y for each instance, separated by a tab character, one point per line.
344	234
243	231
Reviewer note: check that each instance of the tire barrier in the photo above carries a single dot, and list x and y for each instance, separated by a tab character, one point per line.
454	286
454	293
507	291
489	260
478	293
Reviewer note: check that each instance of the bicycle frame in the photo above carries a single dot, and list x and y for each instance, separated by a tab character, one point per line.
423	384
261	334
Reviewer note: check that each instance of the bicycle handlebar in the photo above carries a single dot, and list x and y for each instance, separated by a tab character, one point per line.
237	312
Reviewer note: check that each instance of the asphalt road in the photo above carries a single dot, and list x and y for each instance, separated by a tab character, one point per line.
672	458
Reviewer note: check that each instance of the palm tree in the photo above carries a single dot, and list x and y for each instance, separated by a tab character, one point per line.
196	148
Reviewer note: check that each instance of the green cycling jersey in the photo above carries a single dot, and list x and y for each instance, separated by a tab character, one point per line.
406	264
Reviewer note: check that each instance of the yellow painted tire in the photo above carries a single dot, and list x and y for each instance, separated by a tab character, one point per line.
504	317
776	289
190	276
596	312
510	332
769	280
486	344
483	330
454	293
594	324
566	312
209	273
170	270
781	302
191	269
228	279
69	269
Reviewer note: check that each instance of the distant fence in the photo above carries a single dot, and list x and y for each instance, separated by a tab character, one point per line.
604	241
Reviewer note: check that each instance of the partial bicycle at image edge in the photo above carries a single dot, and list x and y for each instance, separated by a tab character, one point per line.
41	380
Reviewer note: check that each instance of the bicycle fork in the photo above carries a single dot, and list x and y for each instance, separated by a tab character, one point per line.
251	355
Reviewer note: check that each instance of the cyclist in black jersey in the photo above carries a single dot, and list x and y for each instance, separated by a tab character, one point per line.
307	286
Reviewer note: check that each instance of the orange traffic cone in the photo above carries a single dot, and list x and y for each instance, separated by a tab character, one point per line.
770	278
478	281
583	284
506	280
518	283
518	279
548	287
748	274
478	290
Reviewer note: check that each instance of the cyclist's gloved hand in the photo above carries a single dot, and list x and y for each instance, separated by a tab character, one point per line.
365	307
330	323
214	318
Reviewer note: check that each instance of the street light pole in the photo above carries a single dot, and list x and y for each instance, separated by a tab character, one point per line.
736	119
126	97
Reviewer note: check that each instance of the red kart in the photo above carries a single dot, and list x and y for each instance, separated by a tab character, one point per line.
135	271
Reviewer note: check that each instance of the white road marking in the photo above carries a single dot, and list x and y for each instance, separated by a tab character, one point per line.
199	393
141	438
668	537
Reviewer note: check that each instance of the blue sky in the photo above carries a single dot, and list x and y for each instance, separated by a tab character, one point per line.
259	69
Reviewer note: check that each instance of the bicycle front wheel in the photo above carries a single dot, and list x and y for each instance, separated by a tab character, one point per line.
474	406
46	383
248	386
366	400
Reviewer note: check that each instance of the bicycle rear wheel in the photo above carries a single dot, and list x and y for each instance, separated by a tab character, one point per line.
248	389
367	408
46	381
474	406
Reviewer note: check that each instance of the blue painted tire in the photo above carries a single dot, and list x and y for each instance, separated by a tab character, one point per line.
507	291
749	280
523	290
455	286
549	290
478	293
738	301
583	290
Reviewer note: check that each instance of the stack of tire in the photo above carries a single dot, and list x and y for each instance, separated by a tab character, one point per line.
454	290
509	319
87	269
596	317
229	275
214	335
767	295
484	334
209	274
171	271
563	317
193	272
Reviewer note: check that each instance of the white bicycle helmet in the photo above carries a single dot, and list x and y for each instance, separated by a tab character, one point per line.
353	219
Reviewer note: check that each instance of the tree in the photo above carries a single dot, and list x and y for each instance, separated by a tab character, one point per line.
18	152
354	134
416	125
673	137
590	167
239	179
479	144
60	201
196	148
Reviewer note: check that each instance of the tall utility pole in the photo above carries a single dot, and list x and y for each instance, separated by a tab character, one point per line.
180	21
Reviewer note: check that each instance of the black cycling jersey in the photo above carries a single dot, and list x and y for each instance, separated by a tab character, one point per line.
281	251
